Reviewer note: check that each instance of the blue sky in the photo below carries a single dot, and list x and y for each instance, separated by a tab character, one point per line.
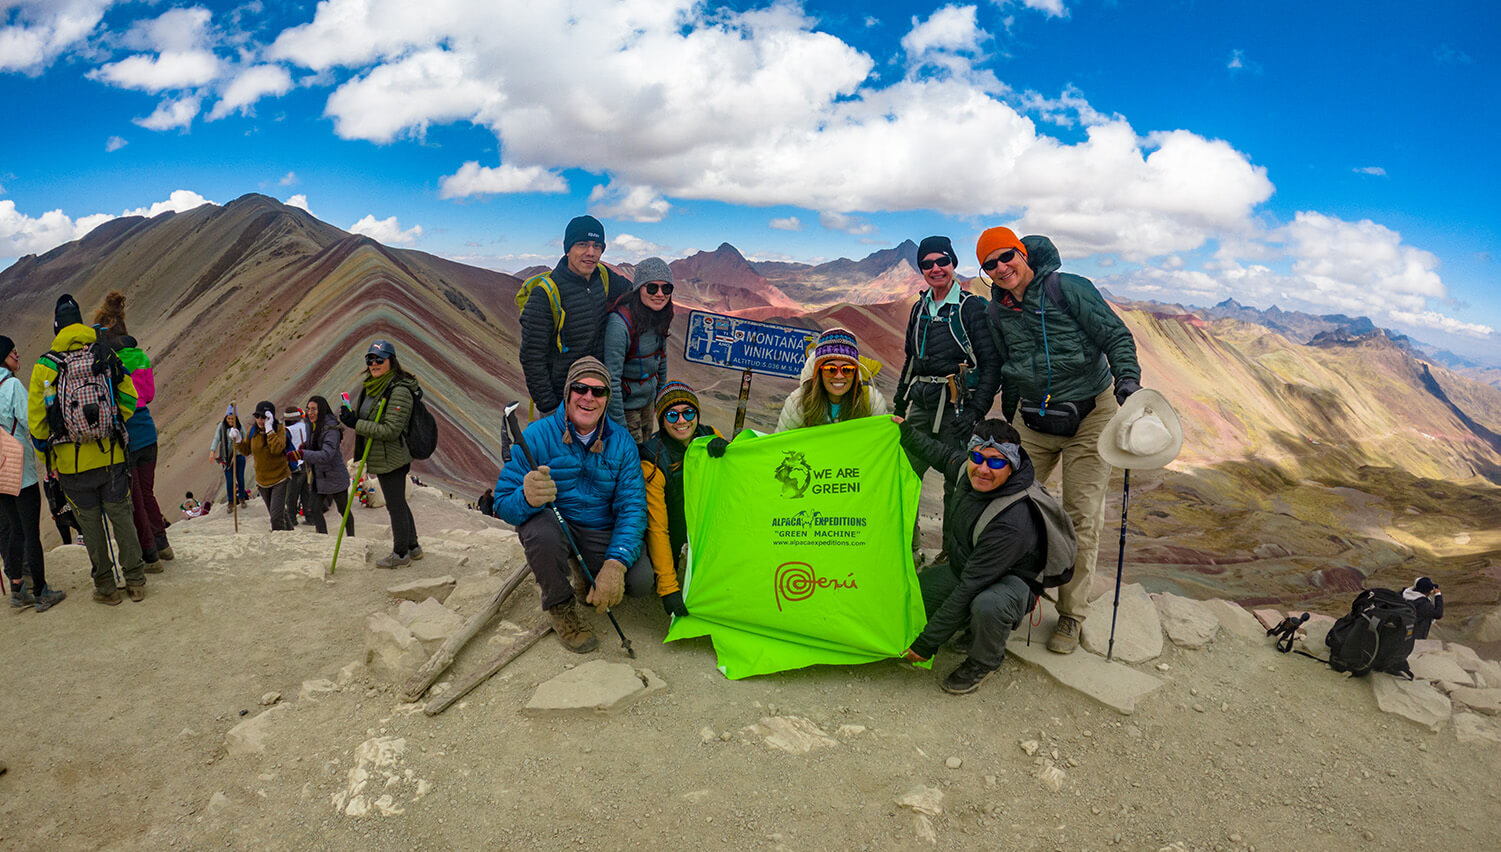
1331	157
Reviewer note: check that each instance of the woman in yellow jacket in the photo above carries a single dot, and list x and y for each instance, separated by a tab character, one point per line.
678	424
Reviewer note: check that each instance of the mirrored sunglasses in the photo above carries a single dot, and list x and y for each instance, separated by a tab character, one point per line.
685	414
597	391
992	463
931	262
1004	257
839	369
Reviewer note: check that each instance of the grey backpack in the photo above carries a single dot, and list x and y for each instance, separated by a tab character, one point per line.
1058	532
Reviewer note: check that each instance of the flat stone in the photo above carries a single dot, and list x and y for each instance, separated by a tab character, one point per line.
251	735
1487	701
312	690
1114	685
505	552
270	698
596	686
792	734
69	560
1138	631
1313	634
1441	668
1235	621
1423	646
437	588
922	799
1414	700
391	651
1269	618
1489	672
1473	728
473	592
1465	657
429	621
1189	624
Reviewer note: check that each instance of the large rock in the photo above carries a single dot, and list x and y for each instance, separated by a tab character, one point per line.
471	593
1269	618
1488	627
437	588
1138	632
1471	728
429	621
596	686
1442	669
391	651
1487	701
1488	674
1466	657
251	735
1235	621
1313	634
1189	624
792	734
1414	700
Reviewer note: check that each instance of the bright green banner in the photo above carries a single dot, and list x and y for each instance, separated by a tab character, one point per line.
800	548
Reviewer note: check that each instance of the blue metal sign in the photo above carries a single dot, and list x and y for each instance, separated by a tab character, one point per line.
742	344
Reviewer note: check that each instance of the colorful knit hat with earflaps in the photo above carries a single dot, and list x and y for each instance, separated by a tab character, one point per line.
836	344
672	394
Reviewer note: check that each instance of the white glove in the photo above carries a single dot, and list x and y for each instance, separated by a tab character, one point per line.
234	434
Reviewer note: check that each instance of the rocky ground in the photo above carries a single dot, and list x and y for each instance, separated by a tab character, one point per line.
124	730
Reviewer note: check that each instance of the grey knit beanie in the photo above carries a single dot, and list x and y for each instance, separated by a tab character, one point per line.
653	269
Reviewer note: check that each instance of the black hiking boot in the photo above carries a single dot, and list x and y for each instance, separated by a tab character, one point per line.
967	678
21	597
48	598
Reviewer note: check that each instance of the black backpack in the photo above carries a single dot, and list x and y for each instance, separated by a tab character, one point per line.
1376	635
422	428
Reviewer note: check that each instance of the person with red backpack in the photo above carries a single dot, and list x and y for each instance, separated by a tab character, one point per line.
636	347
79	401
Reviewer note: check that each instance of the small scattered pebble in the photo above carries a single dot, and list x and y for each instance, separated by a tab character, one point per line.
953	763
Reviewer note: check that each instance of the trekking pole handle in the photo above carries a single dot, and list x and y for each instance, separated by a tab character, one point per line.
520	439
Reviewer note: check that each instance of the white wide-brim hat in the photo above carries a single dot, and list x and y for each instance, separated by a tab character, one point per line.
1144	434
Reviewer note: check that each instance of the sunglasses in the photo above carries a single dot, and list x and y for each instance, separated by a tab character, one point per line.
992	463
685	414
653	288
598	391
1004	257
838	370
931	262
374	359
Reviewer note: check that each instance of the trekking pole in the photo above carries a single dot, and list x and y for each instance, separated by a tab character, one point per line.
519	440
1120	560
114	564
359	474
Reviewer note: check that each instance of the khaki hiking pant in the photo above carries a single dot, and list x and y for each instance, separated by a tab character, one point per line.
1085	476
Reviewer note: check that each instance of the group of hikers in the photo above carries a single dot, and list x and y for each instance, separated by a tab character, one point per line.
612	432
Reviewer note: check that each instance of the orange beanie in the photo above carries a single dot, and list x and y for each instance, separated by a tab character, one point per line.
997	238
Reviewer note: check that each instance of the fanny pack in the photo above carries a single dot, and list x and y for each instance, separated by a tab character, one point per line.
1059	418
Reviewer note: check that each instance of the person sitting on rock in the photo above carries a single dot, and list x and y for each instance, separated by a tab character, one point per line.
1428	601
588	466
988	585
678	424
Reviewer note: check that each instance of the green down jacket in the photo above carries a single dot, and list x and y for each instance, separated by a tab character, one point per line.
388	448
1086	341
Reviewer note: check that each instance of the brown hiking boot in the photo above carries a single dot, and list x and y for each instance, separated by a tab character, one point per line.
136	593
154	568
1065	635
571	628
110	599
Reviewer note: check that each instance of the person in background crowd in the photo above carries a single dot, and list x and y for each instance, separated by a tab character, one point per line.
151	527
297	499
1060	345
636	347
389	459
21	513
324	455
222	450
94	472
678	425
583	288
590	469
267	447
1427	601
834	386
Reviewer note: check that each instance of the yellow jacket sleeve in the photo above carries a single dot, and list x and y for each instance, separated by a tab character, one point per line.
658	543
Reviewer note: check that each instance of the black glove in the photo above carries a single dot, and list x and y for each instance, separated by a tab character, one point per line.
347	416
717	446
673	603
1124	388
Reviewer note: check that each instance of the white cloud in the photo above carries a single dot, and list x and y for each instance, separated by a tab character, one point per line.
22	234
628	246
407	95
630	203
1360	266
249	85
174	30
388	231
1371	170
288	179
114	143
847	224
1439	322
474	179
1052	8
950	29
180	201
1066	110
790	223
300	202
171	70
1237	59
171	114
38	31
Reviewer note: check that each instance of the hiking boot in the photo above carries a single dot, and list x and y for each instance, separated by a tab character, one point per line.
571	628
48	597
415	553
20	596
154	568
1065	636
136	593
110	599
967	678
392	560
164	553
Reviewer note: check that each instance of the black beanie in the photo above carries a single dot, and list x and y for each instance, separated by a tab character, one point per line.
7	346
66	313
582	228
930	245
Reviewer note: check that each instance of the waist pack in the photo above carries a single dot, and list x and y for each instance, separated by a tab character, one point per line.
1376	635
1056	418
1057	532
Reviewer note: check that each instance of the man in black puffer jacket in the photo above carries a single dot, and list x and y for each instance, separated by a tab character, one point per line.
988	586
583	289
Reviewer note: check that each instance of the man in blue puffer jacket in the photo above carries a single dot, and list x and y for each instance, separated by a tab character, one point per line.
588	465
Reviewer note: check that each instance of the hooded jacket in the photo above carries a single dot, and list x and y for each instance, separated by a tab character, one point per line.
141	426
326	460
792	410
13	421
584	308
634	380
1083	345
67	457
388	450
1010	544
599	487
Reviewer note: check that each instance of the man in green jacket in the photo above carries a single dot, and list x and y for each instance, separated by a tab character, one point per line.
1060	346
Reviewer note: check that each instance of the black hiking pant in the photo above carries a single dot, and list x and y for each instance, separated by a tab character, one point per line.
339	499
393	487
21	520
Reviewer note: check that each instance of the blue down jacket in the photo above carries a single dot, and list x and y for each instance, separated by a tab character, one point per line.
599	488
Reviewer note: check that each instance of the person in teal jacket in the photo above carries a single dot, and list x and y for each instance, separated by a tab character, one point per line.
1061	349
21	514
636	347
